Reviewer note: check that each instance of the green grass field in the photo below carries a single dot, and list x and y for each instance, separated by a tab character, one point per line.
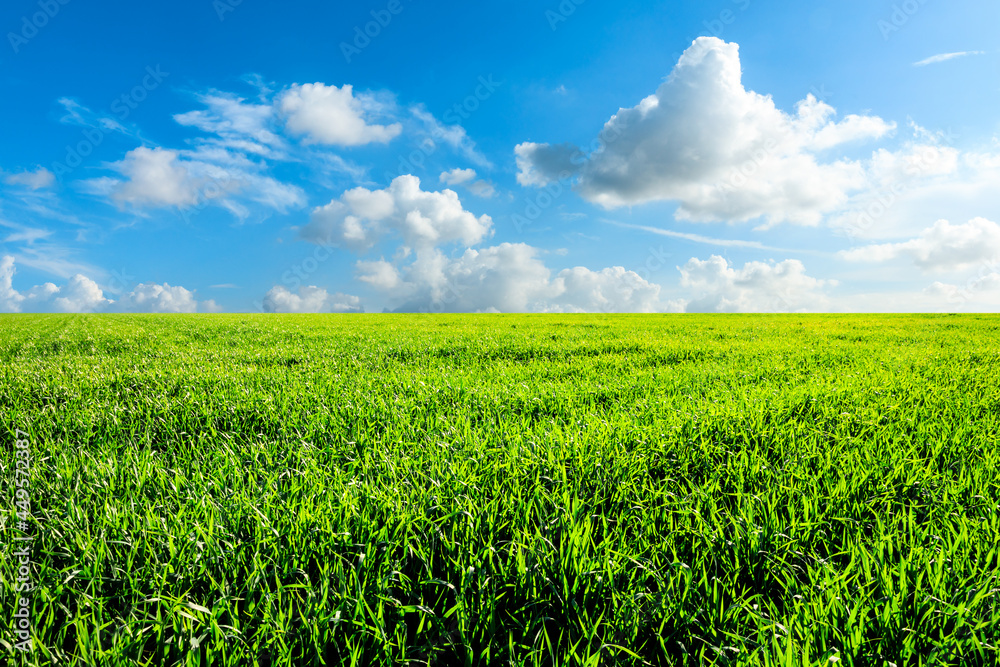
504	490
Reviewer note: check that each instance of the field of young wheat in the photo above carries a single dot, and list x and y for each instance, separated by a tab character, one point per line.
502	490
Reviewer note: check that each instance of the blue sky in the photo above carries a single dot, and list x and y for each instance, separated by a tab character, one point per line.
728	156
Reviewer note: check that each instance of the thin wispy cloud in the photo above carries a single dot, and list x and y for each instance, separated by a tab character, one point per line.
707	240
942	57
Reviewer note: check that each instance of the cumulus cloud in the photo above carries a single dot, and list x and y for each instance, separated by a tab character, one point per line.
512	278
979	293
505	278
159	299
159	177
335	116
10	299
922	181
165	298
33	180
541	164
508	278
381	275
82	295
156	178
78	295
721	151
756	288
942	247
229	165
611	290
361	217
309	300
458	176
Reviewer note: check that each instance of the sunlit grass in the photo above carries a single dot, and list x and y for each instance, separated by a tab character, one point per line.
507	490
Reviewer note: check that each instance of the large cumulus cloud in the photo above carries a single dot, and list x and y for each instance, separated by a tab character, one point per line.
723	152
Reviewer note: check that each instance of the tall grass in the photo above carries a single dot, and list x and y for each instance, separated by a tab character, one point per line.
506	490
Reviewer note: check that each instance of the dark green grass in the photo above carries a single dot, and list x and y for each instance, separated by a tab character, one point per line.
506	490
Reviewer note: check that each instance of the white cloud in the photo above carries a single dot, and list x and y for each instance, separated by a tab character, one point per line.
334	116
942	247
921	182
82	295
155	178
853	128
721	151
34	180
39	252
382	275
241	126
159	177
466	178
458	176
309	300
361	217
77	114
979	293
757	287
153	298
511	278
942	57
504	278
22	234
482	189
10	299
541	164
611	290
79	295
452	135
508	278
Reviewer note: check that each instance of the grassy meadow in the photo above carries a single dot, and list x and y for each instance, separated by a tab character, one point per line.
504	490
